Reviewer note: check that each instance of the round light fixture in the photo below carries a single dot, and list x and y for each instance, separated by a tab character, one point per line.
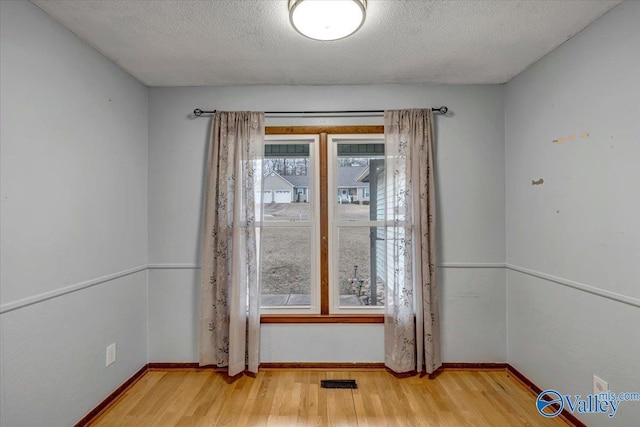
327	19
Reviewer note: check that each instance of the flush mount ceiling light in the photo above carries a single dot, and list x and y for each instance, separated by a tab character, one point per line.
327	19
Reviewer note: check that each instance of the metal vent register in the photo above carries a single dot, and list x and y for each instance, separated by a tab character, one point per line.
338	384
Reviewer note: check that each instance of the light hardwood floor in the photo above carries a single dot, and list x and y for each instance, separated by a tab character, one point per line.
280	397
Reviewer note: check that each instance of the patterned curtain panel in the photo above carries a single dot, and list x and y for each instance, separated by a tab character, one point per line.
411	323
229	300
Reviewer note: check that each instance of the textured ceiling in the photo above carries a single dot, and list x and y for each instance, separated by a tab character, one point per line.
216	42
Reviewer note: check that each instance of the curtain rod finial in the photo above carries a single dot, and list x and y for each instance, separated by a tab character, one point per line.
197	112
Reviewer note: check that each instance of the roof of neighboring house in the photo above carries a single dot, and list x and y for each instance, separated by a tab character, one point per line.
298	180
347	177
364	175
279	177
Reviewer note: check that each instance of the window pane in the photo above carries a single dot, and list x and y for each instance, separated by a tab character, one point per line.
286	266
359	188
361	252
286	185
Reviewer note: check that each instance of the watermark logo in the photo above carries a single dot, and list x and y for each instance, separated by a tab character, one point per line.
550	403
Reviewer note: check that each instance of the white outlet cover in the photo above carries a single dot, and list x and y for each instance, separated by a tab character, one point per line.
111	354
599	385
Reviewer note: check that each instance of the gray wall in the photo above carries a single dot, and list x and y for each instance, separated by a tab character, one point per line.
470	158
73	213
76	236
581	226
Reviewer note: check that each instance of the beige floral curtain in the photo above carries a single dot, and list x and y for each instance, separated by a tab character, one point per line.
229	304
411	324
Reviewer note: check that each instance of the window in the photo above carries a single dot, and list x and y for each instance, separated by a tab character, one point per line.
356	164
321	257
289	253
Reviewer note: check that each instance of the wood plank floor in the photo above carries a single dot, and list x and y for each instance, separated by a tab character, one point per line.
279	397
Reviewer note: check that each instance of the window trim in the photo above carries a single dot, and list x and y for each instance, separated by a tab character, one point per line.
322	132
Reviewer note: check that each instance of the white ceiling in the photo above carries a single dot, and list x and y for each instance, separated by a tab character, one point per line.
220	42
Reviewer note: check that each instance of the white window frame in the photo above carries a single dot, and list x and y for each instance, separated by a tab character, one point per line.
313	224
334	224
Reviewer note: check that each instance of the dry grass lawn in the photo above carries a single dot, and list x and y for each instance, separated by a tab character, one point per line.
286	265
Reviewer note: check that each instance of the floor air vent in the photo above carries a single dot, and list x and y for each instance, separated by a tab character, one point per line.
338	384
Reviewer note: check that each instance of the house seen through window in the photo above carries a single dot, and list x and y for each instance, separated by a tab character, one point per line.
300	226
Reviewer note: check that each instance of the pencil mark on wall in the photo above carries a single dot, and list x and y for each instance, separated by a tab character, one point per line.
538	182
572	137
465	295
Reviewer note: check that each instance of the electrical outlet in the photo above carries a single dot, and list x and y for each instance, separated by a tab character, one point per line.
599	385
111	354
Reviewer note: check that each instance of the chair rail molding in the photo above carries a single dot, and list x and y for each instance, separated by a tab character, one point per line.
615	296
14	305
45	296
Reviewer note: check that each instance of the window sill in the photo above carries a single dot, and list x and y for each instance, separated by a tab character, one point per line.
322	318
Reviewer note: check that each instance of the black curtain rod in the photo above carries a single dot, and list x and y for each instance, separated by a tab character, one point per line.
350	113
